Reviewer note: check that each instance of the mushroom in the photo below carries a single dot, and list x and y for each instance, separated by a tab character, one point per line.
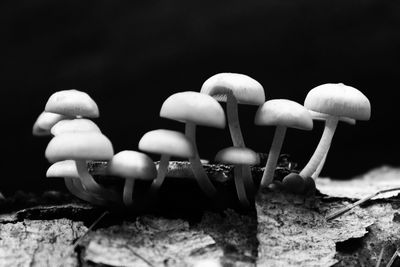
238	156
81	147
281	113
131	165
194	108
68	170
73	126
335	100
321	116
234	89
72	103
167	143
45	121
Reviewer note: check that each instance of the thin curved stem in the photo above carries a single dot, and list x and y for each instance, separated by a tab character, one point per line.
128	192
240	189
75	187
161	173
237	138
198	170
233	120
322	148
92	186
315	175
273	156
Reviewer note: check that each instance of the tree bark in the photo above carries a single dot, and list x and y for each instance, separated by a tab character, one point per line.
282	230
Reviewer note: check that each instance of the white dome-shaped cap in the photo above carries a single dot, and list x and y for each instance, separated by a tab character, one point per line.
72	103
283	112
237	155
45	121
245	89
74	126
339	100
65	168
167	142
79	146
132	165
194	107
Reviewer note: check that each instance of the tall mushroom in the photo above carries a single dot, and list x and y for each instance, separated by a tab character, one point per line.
335	100
281	113
321	116
167	143
193	109
73	104
234	89
131	165
238	156
82	147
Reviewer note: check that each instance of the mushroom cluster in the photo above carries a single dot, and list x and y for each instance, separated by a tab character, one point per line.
77	140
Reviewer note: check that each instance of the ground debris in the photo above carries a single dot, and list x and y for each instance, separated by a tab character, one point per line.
282	230
39	242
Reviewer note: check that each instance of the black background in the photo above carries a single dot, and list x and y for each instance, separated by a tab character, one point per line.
131	55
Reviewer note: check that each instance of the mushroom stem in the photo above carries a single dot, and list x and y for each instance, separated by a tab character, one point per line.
198	170
273	156
76	188
91	185
237	138
240	189
233	120
315	175
128	192
322	148
161	173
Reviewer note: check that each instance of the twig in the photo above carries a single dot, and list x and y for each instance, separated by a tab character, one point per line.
359	202
378	262
77	242
393	260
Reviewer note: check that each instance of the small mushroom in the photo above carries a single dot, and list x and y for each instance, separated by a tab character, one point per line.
45	121
167	143
335	100
234	89
193	109
132	166
281	113
82	147
68	170
238	156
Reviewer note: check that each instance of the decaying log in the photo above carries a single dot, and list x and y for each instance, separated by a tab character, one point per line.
282	230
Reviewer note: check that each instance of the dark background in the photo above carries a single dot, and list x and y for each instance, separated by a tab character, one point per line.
131	55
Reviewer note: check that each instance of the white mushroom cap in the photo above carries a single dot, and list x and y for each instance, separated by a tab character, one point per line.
194	107
283	112
132	165
167	142
79	146
339	100
72	103
65	168
45	121
245	89
73	126
322	117
237	155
